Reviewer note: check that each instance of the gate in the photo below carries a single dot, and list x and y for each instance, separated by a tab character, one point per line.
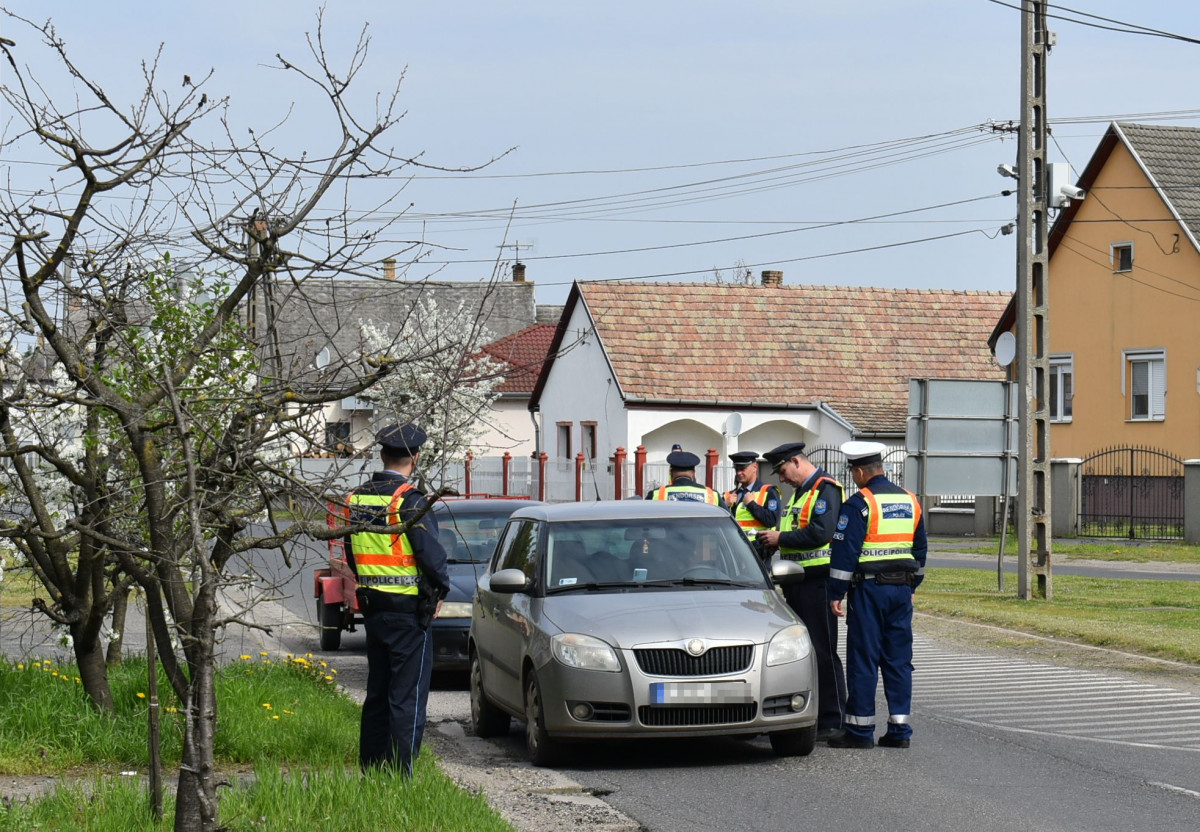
1131	493
831	458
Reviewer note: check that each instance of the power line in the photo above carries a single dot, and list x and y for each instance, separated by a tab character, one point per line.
1121	26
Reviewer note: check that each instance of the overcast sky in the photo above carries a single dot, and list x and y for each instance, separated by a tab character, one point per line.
647	134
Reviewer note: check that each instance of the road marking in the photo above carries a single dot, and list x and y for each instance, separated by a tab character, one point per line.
1029	697
1171	788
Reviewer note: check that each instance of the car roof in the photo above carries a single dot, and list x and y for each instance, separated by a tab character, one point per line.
619	510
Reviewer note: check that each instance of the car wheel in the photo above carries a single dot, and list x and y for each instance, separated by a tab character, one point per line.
794	743
486	719
543	750
329	618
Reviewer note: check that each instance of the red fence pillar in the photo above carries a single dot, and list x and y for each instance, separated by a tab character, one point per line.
639	467
618	461
505	467
579	460
710	466
541	461
467	474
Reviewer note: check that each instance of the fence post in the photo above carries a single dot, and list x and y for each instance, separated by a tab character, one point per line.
579	460
618	461
1064	497
505	468
467	474
710	468
1191	500
639	469
541	461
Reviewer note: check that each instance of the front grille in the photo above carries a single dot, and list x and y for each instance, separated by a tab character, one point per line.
610	712
715	662
661	717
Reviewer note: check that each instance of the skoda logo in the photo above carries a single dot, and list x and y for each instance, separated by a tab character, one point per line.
695	647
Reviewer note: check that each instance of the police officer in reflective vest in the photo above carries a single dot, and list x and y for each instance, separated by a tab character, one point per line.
754	503
683	482
805	530
402	579
878	562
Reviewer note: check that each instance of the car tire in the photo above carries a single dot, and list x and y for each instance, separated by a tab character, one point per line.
794	743
486	719
329	619
542	749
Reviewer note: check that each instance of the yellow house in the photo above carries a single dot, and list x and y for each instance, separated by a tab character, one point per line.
1124	298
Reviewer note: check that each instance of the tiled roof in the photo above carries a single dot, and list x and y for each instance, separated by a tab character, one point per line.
524	352
854	348
1172	157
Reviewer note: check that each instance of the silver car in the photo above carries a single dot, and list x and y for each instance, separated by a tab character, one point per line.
637	619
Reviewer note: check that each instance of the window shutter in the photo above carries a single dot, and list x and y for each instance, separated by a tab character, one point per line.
1158	389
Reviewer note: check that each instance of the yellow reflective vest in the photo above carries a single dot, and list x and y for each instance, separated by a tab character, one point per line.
384	560
694	493
798	515
749	523
892	521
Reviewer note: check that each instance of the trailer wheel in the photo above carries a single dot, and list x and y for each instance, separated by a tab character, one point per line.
329	619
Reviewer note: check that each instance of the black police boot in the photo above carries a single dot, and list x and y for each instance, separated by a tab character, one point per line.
844	740
826	733
888	741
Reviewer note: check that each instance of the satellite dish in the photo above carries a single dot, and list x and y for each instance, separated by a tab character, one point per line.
1006	349
733	425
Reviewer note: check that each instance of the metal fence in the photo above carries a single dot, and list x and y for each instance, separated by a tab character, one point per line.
1131	492
831	458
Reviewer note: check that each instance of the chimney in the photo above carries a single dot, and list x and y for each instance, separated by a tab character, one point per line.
772	278
518	272
389	268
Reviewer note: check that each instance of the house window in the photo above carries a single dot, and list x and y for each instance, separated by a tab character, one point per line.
337	437
587	433
564	440
1062	387
1122	257
1146	372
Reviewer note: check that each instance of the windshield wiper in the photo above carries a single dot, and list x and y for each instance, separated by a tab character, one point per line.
714	581
592	585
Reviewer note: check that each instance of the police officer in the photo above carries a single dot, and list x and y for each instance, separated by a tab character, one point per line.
683	482
402	578
805	530
754	504
878	562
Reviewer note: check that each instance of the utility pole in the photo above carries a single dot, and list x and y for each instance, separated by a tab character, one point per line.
1033	319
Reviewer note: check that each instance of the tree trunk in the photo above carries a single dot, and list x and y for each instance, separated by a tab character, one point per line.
93	672
117	642
196	797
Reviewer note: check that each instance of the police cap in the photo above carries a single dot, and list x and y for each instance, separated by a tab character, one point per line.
401	440
784	452
863	453
682	459
743	458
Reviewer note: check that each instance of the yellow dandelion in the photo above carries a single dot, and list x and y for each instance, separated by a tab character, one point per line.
141	695
244	658
55	674
289	713
20	667
275	717
328	678
78	681
266	661
263	653
308	655
267	705
324	664
289	655
333	670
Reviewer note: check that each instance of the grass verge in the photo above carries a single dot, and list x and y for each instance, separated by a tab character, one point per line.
1110	550
1152	618
282	718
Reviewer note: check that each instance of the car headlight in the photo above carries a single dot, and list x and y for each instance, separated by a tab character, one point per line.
584	652
791	644
455	609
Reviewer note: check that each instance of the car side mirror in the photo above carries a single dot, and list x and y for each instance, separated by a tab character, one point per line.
787	572
509	580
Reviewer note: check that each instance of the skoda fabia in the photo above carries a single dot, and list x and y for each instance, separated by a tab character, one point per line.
637	619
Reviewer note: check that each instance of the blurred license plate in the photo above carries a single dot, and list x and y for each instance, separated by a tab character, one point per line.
699	693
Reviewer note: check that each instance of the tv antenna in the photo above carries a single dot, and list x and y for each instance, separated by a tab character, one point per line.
516	246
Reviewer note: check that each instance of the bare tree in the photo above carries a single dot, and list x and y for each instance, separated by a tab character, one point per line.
151	412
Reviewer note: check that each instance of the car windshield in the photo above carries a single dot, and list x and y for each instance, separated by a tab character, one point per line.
469	535
651	552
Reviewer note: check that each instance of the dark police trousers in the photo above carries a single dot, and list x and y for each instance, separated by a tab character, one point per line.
878	641
399	670
810	600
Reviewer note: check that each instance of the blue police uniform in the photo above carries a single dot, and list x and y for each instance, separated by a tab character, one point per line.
877	561
399	642
761	511
683	487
